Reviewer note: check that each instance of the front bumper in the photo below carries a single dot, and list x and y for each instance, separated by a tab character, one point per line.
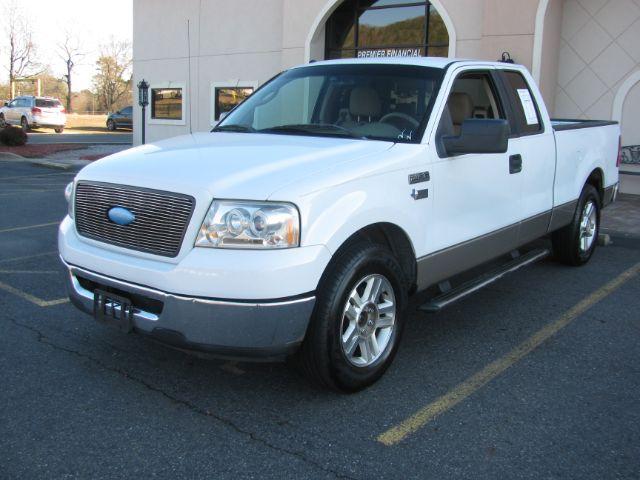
236	329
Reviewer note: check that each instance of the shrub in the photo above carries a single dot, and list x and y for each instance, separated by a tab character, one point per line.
13	136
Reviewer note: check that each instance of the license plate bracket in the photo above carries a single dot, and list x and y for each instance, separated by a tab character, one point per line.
113	309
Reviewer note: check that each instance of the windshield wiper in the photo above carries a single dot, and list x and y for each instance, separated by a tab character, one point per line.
234	128
313	129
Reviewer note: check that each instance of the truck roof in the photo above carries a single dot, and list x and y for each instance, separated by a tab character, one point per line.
434	62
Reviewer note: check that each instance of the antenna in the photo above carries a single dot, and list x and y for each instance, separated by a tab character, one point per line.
189	92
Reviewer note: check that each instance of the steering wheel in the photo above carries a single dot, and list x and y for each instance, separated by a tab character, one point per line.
402	120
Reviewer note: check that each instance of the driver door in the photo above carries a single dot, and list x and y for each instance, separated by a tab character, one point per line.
477	197
10	114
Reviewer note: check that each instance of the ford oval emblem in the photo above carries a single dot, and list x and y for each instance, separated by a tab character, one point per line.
121	216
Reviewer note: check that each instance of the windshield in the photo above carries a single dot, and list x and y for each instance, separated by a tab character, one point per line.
381	102
46	103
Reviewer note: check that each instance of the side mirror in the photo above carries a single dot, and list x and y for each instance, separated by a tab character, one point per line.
6	104
478	135
118	112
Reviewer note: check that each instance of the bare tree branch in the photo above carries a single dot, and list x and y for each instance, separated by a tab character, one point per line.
69	52
22	60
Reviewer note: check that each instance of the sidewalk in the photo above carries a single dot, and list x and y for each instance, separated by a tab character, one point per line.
622	218
630	178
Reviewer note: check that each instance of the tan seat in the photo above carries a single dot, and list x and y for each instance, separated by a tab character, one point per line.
460	107
364	103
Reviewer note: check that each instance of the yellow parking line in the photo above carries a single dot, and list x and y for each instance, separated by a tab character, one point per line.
37	272
28	257
423	416
32	298
36	176
15	229
16	192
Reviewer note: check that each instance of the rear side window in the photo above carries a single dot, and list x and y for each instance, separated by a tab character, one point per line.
43	103
527	115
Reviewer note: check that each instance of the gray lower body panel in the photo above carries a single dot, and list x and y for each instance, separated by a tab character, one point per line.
610	194
451	261
263	329
443	264
562	215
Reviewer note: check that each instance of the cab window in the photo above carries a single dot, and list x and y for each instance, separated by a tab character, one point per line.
473	95
525	109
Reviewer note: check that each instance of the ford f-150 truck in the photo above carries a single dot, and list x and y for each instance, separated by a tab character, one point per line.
301	224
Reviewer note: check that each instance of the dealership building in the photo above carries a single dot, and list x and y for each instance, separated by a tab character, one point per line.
201	57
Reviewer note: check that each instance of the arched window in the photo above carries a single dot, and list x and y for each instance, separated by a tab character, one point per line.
385	28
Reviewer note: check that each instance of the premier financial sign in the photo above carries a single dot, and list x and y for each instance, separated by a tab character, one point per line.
390	52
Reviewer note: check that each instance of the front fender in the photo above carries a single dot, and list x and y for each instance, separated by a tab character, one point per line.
340	211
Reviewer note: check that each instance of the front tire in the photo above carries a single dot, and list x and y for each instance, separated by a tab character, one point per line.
574	244
358	319
3	123
58	130
111	125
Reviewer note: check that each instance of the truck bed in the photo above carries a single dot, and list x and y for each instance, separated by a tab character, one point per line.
560	124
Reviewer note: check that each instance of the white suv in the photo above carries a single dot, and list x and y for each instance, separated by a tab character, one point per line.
32	112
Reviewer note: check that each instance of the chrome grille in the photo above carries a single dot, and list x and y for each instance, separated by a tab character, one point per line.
161	217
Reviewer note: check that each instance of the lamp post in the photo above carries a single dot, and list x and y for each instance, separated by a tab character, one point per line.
143	101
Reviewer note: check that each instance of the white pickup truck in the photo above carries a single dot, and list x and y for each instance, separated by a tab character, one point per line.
302	223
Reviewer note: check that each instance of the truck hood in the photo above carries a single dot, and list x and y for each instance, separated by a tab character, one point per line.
228	165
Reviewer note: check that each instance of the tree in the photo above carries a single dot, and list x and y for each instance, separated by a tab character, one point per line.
22	51
112	82
69	52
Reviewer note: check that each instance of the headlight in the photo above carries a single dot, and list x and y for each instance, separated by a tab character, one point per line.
245	224
68	195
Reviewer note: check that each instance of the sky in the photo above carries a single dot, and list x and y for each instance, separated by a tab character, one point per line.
93	21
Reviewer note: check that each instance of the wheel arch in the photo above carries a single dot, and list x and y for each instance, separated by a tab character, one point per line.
392	237
596	178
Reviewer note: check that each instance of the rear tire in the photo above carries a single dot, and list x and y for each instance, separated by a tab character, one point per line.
58	130
3	123
24	123
574	244
358	319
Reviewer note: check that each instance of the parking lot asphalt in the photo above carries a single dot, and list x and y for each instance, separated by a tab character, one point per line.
536	376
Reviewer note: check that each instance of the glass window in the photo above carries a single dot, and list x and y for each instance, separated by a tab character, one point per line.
166	103
382	102
46	103
525	107
226	98
385	3
392	27
126	110
384	28
472	96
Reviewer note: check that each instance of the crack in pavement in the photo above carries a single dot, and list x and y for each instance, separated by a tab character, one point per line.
42	338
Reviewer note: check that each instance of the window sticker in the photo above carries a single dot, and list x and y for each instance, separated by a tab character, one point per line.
528	106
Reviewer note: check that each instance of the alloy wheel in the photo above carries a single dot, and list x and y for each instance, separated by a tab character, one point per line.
588	226
368	320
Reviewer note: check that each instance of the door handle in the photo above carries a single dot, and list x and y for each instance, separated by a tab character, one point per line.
515	163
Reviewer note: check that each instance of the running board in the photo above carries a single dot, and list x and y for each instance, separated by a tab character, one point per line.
438	303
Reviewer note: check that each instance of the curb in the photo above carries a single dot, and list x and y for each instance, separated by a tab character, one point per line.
13	157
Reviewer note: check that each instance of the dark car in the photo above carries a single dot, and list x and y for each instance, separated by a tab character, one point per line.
120	119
